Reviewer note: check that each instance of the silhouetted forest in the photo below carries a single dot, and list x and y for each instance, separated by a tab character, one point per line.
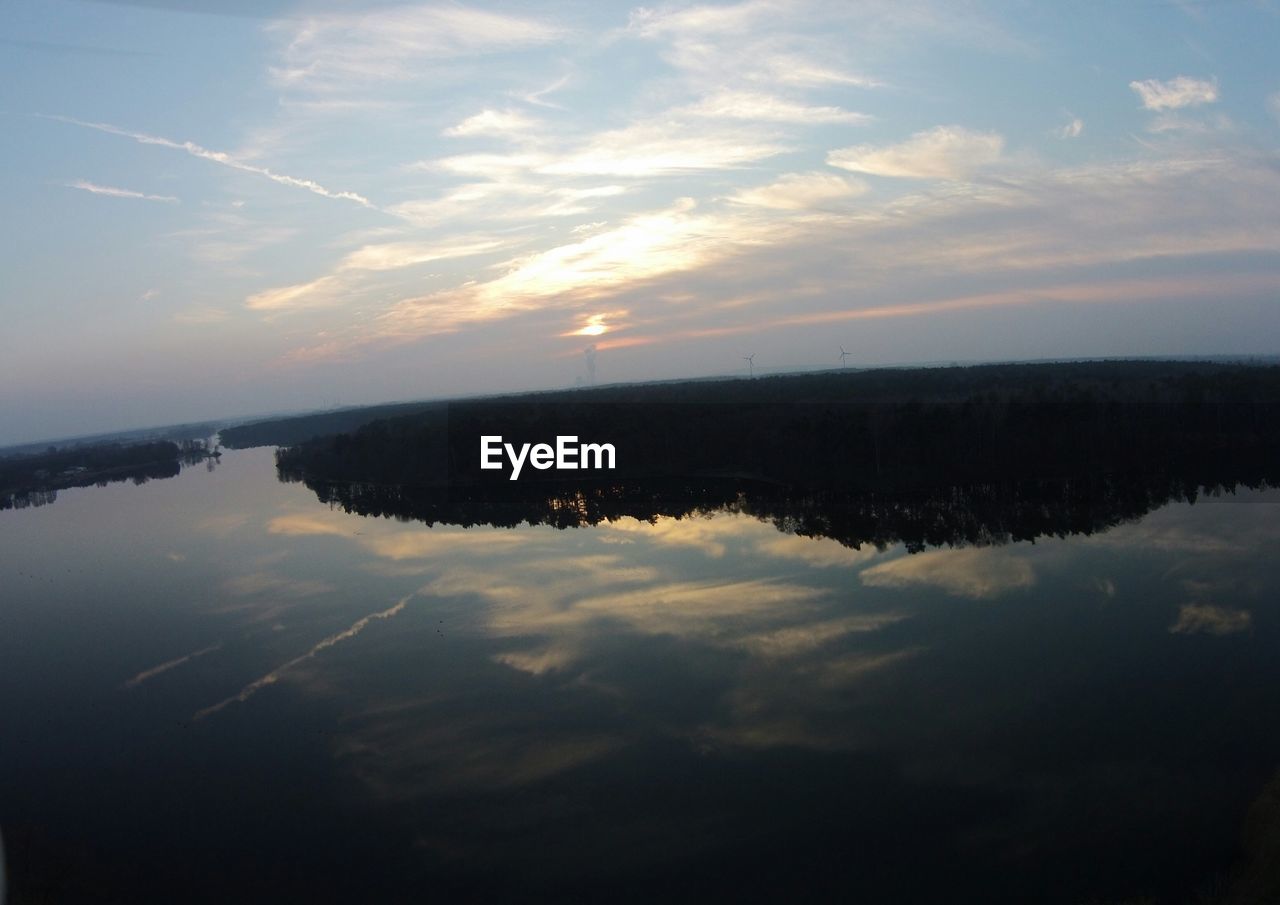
300	428
35	479
178	433
1130	380
944	456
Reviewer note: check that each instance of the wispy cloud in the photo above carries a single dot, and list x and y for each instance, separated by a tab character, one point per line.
113	192
801	191
300	295
644	246
393	43
394	255
761	107
496	123
647	148
1176	93
370	258
218	157
976	573
658	147
743	43
944	152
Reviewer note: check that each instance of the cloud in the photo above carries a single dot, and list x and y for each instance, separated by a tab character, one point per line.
219	157
505	199
794	640
664	146
497	123
299	525
944	152
641	248
301	295
974	573
769	108
819	552
346	281
393	43
408	545
1042	233
1273	104
1203	618
1073	129
393	255
801	191
112	192
1175	93
256	583
675	143
759	41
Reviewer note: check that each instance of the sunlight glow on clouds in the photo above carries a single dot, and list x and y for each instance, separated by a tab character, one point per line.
799	191
944	152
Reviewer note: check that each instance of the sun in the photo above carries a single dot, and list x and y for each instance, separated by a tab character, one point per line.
595	326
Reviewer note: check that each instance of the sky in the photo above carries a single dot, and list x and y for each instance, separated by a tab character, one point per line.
213	209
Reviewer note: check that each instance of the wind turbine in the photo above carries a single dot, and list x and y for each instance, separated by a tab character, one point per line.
751	364
843	356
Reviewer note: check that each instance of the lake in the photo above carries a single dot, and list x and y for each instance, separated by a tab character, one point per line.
218	688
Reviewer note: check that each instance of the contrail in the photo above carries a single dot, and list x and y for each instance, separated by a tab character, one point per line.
219	157
112	192
165	667
274	676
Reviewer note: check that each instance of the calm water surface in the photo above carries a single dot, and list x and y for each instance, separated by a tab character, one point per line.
216	688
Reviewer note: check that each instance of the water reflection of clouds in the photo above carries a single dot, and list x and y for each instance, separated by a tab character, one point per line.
257	583
274	676
403	749
719	635
822	552
1206	618
975	573
170	664
550	611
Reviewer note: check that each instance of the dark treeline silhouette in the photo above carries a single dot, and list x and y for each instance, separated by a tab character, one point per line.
954	456
889	385
299	428
35	479
177	433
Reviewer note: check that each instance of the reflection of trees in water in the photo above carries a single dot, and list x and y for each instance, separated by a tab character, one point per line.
987	469
955	515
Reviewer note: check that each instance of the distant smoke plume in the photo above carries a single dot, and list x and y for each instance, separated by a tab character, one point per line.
590	352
